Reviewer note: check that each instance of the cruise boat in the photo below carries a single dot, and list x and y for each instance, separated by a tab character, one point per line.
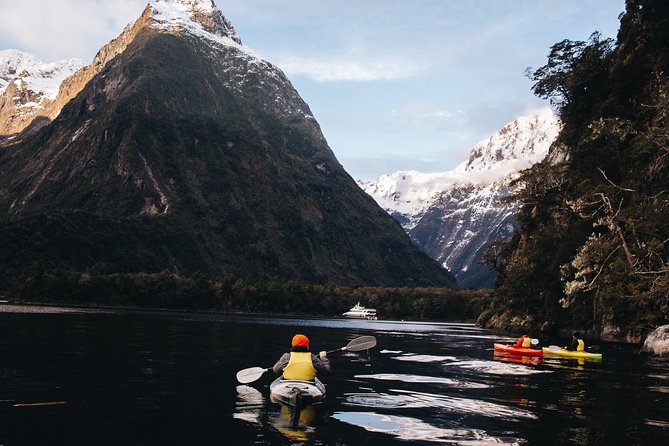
360	312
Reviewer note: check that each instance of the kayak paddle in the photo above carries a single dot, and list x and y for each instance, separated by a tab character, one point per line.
249	375
357	344
253	373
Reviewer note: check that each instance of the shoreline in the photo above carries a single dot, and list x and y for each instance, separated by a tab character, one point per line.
58	308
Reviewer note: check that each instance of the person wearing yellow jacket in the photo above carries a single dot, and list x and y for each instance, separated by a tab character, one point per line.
577	344
300	363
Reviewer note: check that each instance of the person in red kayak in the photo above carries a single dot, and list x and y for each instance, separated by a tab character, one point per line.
300	363
523	341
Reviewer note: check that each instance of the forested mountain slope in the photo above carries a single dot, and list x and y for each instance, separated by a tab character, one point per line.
593	251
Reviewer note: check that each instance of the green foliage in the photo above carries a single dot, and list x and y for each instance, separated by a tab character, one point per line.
594	246
237	295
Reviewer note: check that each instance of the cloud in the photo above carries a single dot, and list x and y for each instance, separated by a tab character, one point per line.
347	68
427	114
64	28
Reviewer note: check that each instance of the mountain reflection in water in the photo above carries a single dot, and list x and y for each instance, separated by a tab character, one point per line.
144	378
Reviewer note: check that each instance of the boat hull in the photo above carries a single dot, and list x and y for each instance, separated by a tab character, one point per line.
358	316
571	353
360	312
296	393
517	351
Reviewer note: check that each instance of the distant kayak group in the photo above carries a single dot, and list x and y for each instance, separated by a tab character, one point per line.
298	386
526	346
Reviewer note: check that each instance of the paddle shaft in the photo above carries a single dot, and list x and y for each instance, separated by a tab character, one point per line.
251	374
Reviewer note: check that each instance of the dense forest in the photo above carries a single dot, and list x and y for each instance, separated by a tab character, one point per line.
593	249
99	286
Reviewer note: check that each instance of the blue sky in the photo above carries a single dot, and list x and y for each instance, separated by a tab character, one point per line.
394	84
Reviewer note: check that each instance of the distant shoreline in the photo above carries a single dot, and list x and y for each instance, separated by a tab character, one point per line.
64	308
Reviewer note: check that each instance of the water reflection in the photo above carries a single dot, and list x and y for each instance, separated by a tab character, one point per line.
145	378
252	407
249	405
414	429
404	399
497	368
527	360
299	428
460	384
424	358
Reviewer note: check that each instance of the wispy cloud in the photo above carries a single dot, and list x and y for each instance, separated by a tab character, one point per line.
352	69
64	28
428	114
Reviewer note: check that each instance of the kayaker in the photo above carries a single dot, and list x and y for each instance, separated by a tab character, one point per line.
523	341
300	363
577	344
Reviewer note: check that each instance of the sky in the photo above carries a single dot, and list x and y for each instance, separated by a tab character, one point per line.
394	84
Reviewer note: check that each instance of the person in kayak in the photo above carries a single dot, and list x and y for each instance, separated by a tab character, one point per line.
300	363
523	341
577	344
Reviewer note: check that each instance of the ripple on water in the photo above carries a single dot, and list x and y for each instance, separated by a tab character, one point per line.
414	429
497	368
424	358
482	366
460	384
402	399
657	423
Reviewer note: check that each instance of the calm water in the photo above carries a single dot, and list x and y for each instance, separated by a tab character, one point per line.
154	378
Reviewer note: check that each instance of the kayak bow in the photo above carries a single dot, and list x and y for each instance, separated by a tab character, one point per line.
558	351
519	351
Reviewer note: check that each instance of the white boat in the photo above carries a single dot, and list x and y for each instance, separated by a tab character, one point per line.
360	312
296	393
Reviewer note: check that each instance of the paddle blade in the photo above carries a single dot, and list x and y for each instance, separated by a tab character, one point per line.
361	343
249	375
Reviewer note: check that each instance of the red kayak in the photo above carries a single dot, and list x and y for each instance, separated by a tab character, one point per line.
519	351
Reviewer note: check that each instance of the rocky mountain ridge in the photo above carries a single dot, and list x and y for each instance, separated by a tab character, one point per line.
454	215
28	86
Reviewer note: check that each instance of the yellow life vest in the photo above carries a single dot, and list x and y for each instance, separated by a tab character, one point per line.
527	342
300	367
581	345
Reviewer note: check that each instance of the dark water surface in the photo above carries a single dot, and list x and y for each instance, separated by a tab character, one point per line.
156	378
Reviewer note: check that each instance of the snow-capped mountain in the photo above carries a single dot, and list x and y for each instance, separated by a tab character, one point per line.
454	215
40	77
179	149
28	85
199	19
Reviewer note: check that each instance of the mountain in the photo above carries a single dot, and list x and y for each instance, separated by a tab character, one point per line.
179	149
455	215
28	86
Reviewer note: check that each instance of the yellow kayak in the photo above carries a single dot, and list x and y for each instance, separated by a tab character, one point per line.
558	351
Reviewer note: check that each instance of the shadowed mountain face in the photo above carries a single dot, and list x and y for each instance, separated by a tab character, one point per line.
189	155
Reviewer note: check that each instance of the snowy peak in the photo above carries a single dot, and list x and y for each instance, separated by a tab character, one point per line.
518	145
409	192
28	72
197	17
455	215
